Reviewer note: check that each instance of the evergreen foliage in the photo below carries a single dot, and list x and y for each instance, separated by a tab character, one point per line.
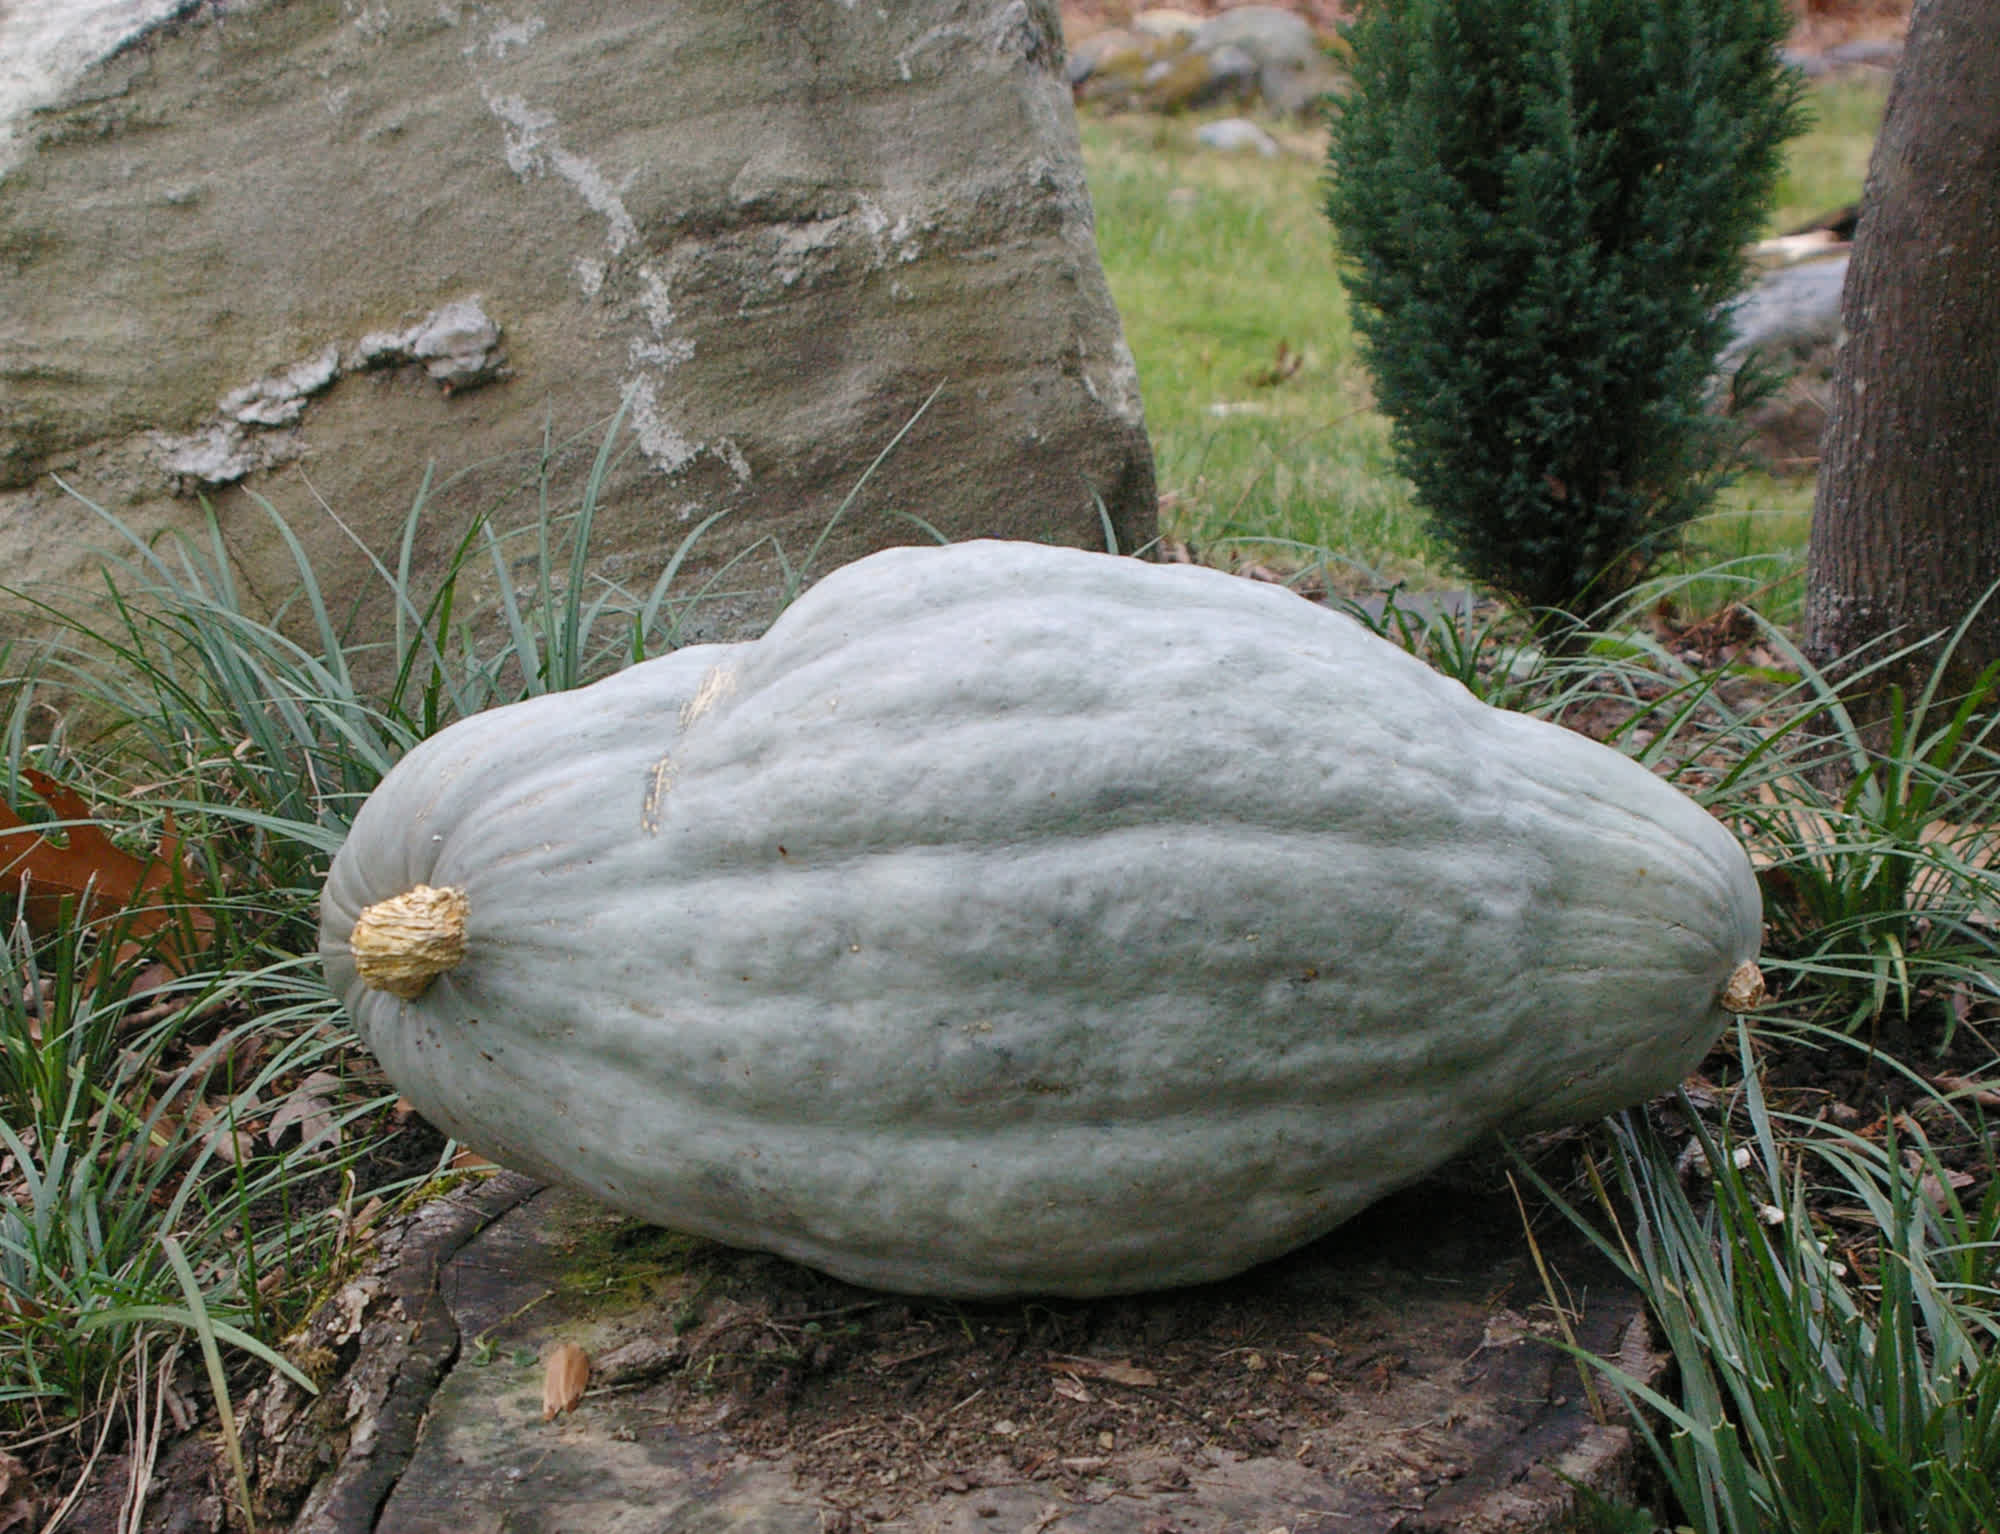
1542	207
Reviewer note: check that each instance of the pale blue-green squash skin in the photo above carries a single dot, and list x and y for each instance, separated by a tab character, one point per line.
1023	920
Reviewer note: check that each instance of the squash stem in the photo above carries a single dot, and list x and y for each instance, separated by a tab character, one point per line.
401	944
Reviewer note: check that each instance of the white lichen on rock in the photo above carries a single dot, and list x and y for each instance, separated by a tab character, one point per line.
280	398
458	344
219	454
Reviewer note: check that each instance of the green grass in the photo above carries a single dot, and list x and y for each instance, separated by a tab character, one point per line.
1809	1395
1217	260
1825	166
1757	533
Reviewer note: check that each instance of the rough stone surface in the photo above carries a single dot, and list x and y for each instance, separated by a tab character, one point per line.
1403	1378
1791	319
1169	61
305	247
1791	307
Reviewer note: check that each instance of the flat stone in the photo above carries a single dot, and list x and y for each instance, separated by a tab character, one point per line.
1401	1375
1795	306
1234	134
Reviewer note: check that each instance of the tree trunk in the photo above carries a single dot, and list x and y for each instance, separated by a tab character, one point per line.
1906	527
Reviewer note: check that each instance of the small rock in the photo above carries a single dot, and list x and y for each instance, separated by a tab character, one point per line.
1233	134
1166	23
1103	52
1794	306
1867	53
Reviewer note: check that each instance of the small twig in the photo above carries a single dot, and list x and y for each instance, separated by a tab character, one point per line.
511	1316
839	1310
839	1432
1597	1412
966	1402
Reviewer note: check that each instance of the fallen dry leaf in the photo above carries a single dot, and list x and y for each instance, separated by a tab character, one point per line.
234	1146
464	1160
97	878
1934	1190
17	1495
564	1376
365	1217
1284	365
1071	1389
312	1112
1116	1371
1984	1093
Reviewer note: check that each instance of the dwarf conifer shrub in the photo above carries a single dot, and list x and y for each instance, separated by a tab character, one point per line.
1542	207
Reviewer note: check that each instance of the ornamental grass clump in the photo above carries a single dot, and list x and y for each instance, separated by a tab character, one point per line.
1542	207
1822	1381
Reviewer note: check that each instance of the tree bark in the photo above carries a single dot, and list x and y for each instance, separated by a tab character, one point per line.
1906	525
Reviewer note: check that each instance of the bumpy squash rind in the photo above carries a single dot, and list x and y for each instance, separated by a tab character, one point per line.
1013	919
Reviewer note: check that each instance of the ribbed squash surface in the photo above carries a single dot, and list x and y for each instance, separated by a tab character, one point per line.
1012	919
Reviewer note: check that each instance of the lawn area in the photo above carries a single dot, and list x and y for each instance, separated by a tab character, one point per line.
1223	269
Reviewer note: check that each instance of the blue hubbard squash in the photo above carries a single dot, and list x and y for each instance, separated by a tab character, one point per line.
1013	920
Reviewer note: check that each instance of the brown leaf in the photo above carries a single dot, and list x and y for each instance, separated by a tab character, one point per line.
17	1495
234	1146
1284	365
365	1217
565	1374
98	878
1984	1093
16	1305
1071	1389
1117	1372
310	1111
464	1160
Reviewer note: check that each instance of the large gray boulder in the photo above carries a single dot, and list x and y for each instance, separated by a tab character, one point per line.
303	248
